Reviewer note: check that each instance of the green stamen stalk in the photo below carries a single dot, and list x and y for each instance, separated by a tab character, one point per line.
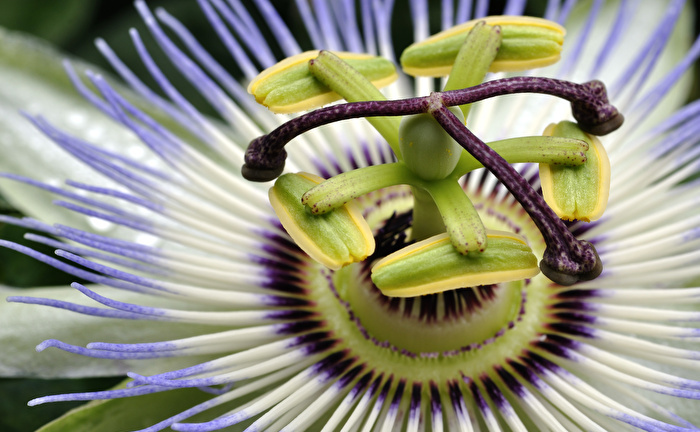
427	220
463	223
536	149
338	190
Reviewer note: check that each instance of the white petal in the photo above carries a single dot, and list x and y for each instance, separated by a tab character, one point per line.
631	44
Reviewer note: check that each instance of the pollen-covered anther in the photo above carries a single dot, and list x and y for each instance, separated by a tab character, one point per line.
434	265
334	239
289	86
577	192
527	43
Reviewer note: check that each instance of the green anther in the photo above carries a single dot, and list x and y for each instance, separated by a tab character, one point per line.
354	85
461	219
474	59
577	192
527	43
535	149
289	86
334	239
340	189
433	266
427	149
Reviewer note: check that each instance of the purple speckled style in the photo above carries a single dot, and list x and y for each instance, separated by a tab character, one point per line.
566	259
589	105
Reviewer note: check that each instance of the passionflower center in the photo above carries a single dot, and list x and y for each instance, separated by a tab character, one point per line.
443	324
434	149
438	336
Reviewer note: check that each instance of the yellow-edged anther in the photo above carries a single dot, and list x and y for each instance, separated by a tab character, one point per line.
433	265
577	192
334	239
289	87
527	43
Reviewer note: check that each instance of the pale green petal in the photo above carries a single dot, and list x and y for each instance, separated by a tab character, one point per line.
121	415
23	327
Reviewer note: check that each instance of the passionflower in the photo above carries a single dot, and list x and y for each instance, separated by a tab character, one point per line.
193	288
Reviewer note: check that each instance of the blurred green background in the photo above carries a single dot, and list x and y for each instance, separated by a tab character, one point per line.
72	26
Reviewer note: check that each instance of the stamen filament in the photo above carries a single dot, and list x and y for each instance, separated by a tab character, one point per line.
344	187
538	149
426	218
340	189
461	219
